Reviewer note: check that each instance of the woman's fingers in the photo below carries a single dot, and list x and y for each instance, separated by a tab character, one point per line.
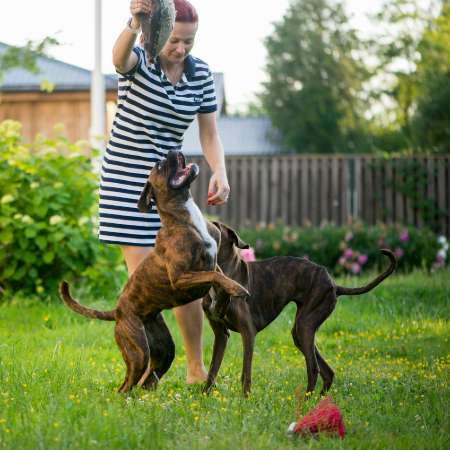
140	6
221	196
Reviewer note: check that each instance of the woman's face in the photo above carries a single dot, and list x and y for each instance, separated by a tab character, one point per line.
180	43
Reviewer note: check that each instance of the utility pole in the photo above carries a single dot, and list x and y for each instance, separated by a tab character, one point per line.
98	91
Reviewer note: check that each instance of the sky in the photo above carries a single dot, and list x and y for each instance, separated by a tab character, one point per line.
230	36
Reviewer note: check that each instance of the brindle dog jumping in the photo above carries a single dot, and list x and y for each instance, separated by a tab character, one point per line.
273	283
182	268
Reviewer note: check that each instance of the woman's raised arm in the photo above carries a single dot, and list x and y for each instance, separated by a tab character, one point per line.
124	59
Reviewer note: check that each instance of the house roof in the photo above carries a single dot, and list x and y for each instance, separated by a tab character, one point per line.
239	136
65	77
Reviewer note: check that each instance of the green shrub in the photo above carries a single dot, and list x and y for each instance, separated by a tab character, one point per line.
48	213
350	249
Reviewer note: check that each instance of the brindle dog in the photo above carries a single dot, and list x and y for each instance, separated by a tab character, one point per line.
181	269
273	283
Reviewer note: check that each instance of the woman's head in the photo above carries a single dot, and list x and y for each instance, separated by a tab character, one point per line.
182	40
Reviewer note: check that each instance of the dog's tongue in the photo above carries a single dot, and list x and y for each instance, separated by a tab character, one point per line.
181	175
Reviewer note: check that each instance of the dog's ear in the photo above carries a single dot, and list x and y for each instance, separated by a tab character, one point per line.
145	204
217	224
233	237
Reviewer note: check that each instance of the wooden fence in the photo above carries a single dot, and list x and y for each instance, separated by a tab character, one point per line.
299	189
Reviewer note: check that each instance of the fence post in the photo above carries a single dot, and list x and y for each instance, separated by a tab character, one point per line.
324	190
304	192
264	190
294	191
274	190
255	191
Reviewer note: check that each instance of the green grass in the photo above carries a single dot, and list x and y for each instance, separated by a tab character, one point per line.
59	373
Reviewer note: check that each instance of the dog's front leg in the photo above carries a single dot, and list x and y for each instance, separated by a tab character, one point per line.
188	280
221	336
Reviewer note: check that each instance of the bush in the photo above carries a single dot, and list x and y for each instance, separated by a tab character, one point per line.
350	249
48	209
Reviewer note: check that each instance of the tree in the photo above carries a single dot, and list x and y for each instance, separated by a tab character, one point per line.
403	22
26	58
432	117
314	93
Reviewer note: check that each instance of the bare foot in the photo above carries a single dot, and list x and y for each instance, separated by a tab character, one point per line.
197	377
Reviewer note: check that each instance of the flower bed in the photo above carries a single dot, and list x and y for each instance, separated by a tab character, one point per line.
351	249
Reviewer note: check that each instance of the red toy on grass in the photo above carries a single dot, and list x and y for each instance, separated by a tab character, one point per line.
325	418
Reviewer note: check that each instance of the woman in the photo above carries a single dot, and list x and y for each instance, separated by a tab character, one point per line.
155	108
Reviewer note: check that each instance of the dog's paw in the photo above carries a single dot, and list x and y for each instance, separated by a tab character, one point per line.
239	292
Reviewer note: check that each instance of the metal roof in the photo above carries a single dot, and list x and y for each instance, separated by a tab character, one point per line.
239	136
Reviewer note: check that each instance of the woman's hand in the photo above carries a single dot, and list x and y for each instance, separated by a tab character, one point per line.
137	7
219	180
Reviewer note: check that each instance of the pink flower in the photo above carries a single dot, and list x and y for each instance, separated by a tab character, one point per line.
348	253
362	259
349	236
342	260
398	252
440	262
248	254
356	268
404	236
380	241
306	256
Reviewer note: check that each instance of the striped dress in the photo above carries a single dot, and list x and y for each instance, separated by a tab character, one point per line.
152	117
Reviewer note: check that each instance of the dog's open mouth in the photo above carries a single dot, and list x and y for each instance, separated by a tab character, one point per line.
182	173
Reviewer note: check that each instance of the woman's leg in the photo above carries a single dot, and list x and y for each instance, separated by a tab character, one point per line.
189	318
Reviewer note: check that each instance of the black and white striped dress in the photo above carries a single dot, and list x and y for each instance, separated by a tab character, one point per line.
152	117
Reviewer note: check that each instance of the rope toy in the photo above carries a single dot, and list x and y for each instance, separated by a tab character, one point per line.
325	418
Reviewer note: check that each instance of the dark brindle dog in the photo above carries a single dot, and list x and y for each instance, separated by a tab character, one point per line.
182	268
273	283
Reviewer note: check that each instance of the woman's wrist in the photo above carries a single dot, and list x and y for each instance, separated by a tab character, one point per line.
135	23
220	168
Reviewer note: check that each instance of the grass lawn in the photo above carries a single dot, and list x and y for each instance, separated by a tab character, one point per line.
390	349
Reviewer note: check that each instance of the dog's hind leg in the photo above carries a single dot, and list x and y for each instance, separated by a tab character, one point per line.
131	340
326	372
312	360
162	351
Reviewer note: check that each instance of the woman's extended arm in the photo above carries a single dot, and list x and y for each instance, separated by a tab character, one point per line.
213	151
124	59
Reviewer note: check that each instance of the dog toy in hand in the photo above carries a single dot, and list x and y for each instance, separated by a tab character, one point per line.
325	418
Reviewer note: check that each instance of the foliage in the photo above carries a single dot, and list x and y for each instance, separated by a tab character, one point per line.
353	248
433	114
315	78
59	375
26	58
402	22
47	214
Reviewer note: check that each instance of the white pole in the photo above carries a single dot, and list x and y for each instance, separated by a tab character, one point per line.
98	103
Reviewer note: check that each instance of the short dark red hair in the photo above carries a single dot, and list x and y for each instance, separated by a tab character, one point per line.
186	13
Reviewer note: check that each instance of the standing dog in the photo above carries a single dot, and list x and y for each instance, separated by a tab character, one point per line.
274	283
182	268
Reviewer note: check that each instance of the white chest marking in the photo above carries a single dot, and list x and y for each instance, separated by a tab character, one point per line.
200	225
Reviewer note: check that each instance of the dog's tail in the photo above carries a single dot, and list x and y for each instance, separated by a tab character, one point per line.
107	316
341	290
